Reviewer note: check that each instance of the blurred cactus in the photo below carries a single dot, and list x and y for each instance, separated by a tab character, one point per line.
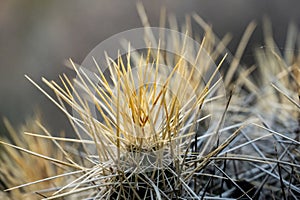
19	167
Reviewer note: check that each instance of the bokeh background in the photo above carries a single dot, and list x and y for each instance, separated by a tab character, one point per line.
36	37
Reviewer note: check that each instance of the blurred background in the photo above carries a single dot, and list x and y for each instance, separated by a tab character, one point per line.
36	37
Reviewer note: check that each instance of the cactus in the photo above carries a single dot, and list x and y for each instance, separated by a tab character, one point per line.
156	126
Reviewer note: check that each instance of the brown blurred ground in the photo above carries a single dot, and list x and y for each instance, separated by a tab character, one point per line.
37	36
